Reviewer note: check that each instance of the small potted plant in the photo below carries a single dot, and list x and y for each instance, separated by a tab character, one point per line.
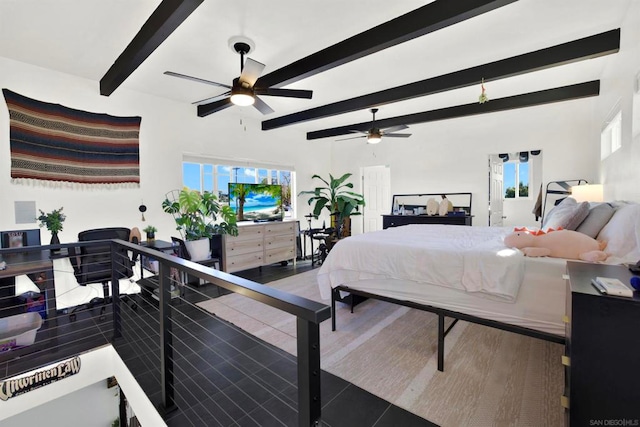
53	222
151	233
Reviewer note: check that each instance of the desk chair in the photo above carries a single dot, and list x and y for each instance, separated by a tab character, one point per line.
92	264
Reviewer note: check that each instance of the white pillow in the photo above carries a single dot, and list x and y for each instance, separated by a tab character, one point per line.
622	231
568	214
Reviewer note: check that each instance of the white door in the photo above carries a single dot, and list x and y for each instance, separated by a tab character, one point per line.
496	191
376	189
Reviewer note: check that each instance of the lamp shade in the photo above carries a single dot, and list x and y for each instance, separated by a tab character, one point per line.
588	193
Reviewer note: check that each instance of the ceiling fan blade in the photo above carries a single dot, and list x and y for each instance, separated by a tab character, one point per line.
262	106
212	99
214	107
196	79
251	71
396	135
288	93
353	137
395	129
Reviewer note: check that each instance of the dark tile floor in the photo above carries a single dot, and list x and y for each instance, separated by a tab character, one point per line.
223	376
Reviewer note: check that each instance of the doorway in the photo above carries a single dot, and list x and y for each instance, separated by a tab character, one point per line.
376	189
515	180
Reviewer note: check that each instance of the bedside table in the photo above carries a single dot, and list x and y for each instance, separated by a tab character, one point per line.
602	352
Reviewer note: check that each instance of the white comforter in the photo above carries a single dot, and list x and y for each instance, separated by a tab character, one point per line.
472	259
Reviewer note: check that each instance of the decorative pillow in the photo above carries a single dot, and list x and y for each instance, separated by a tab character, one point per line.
598	217
568	214
621	232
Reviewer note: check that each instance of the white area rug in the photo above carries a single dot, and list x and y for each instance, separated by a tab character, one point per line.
491	377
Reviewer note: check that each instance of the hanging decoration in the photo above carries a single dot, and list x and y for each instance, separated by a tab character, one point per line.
483	96
142	208
58	146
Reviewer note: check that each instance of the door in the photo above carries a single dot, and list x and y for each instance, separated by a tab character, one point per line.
376	189
496	190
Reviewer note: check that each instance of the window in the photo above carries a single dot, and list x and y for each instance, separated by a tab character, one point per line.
611	136
516	179
209	176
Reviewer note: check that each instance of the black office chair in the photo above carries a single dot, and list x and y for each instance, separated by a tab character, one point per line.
92	264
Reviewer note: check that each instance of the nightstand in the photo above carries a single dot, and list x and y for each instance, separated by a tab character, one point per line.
602	353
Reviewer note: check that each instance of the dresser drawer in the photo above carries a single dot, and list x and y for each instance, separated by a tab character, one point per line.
244	262
280	228
282	241
250	232
279	254
239	247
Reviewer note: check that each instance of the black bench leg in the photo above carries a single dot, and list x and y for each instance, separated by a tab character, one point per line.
441	342
333	309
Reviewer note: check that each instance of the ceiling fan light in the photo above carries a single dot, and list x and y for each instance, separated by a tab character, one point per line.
374	138
242	99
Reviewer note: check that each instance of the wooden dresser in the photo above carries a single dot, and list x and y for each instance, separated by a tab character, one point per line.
259	244
602	354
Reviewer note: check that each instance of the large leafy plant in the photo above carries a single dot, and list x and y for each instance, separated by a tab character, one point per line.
336	197
196	214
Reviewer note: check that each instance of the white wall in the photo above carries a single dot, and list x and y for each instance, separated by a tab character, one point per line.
168	129
93	405
95	367
620	172
451	155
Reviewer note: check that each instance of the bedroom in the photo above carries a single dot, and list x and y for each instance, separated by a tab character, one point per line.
42	56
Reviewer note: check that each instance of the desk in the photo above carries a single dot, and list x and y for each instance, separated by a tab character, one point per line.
158	245
34	262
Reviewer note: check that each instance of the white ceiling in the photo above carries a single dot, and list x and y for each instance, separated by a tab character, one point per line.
84	37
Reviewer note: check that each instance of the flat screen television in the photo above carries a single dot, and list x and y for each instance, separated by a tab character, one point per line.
256	202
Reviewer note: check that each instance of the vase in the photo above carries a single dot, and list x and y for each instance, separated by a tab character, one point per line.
54	241
151	238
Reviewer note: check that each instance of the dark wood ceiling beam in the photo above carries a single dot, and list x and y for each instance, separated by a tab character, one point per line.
424	20
577	50
564	93
163	21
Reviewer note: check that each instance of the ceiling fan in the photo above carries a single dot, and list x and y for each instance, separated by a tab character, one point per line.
374	135
243	91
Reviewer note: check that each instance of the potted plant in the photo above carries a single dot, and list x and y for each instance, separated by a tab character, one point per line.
53	222
336	197
150	230
196	216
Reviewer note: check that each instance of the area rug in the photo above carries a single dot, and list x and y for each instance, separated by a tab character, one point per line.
491	377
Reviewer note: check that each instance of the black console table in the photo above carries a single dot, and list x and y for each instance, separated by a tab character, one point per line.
411	209
397	220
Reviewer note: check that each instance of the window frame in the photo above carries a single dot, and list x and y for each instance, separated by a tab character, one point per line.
269	173
517	163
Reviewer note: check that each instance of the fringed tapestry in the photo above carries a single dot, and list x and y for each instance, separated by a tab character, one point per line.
54	143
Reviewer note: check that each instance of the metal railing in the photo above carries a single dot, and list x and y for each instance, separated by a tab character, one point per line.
165	325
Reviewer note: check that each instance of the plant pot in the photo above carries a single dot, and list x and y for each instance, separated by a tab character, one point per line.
199	249
151	237
55	241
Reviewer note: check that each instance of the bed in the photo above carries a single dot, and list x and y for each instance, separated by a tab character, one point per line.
467	273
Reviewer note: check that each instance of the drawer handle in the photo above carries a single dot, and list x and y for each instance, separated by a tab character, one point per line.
564	401
565	318
566	360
